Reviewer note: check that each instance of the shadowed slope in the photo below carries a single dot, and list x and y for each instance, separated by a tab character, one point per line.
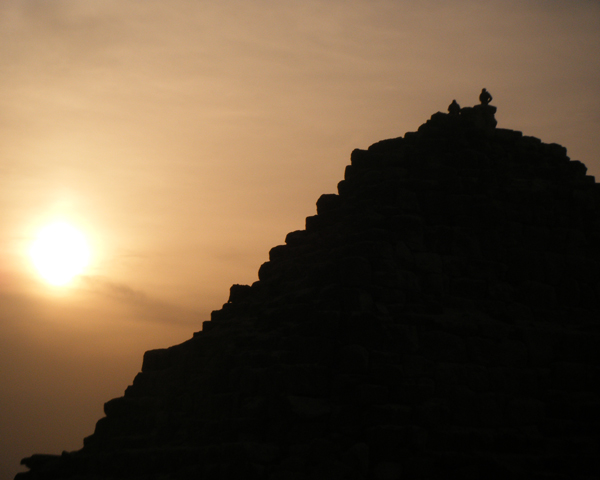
436	319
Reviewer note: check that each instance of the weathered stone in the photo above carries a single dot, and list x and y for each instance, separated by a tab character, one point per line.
309	408
156	360
387	145
354	271
387	471
444	346
524	411
239	293
358	458
297	237
437	319
354	359
327	203
428	262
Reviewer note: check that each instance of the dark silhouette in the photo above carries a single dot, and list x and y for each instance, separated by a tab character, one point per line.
438	319
484	97
454	108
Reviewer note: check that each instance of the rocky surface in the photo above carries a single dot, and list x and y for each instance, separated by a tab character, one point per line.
438	319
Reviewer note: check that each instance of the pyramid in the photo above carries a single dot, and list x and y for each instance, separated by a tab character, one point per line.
437	319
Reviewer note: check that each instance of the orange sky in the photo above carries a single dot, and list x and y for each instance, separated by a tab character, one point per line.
186	138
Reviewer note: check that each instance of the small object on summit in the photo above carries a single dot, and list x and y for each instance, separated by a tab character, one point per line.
485	97
454	108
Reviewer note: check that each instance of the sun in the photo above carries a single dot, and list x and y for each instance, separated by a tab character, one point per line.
59	253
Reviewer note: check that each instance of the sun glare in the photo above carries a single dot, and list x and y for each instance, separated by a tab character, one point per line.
59	253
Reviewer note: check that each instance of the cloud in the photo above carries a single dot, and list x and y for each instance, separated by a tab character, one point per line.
148	307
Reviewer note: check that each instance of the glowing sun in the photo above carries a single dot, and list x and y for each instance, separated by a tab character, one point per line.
59	253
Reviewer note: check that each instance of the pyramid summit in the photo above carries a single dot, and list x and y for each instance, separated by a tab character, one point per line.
438	318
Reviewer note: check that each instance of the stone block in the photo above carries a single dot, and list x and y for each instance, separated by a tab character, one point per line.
361	159
476	377
462	439
524	411
388	440
471	409
537	295
481	350
439	239
355	271
576	168
408	229
288	475
309	408
328	203
239	293
353	359
369	394
406	201
540	345
428	262
298	237
357	458
156	360
387	471
436	284
305	380
387	145
447	374
349	172
268	272
511	353
572	376
280	252
468	288
443	346
507	136
389	414
314	223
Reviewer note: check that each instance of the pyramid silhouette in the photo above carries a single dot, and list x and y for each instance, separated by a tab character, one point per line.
437	319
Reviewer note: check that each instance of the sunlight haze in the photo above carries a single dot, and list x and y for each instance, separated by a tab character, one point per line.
59	253
185	139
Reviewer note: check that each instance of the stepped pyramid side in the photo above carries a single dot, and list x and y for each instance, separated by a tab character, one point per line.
439	318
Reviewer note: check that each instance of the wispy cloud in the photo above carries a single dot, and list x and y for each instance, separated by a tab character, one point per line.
149	307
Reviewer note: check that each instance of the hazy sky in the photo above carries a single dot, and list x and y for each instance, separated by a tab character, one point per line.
186	138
